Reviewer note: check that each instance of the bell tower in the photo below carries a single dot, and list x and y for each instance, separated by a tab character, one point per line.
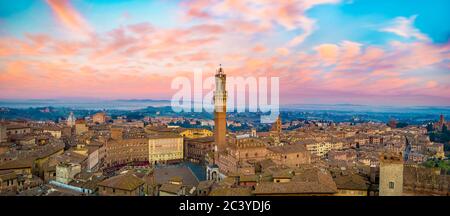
220	109
275	131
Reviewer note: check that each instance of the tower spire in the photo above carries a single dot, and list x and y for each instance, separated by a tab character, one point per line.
220	70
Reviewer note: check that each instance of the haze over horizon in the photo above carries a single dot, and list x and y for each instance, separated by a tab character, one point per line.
324	51
141	103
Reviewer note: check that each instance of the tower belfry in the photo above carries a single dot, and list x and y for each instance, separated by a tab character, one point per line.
220	109
71	120
275	131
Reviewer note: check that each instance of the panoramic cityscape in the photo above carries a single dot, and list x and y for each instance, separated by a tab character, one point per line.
294	98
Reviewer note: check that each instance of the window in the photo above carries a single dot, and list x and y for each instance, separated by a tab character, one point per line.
391	185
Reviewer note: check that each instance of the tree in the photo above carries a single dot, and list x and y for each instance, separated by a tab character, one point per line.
402	124
445	129
429	163
432	137
429	127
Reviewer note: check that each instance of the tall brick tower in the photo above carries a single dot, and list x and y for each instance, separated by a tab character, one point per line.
276	126
220	110
275	131
441	120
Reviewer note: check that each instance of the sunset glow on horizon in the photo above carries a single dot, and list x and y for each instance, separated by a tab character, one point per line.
324	51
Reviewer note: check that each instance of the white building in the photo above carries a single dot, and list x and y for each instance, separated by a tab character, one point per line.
71	120
65	172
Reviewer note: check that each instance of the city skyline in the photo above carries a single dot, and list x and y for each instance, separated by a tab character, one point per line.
324	51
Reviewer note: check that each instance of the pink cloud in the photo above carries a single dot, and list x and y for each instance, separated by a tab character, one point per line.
69	17
260	15
141	59
431	84
328	52
258	48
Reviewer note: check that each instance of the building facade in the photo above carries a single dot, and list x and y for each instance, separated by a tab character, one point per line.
3	137
17	129
122	185
80	126
197	149
99	118
65	172
289	155
193	133
122	151
391	175
165	148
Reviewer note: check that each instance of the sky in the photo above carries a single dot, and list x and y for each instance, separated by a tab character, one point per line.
370	52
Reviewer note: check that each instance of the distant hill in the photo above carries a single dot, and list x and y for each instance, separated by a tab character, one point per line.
141	100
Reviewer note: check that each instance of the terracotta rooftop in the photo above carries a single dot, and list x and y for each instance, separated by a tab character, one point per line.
71	157
205	184
90	184
351	182
170	188
207	139
127	182
17	164
306	142
7	174
248	178
165	174
307	180
288	149
231	192
293	187
16	126
163	136
266	164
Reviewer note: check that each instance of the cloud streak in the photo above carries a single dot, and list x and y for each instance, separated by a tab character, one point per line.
404	27
69	17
